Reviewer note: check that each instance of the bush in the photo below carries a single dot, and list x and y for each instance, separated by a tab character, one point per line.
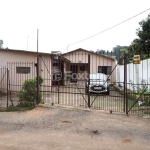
28	93
1	92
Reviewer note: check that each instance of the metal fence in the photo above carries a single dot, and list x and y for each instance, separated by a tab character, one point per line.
67	81
71	88
12	79
3	87
138	88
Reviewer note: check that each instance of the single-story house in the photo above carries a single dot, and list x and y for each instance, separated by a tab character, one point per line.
98	64
22	65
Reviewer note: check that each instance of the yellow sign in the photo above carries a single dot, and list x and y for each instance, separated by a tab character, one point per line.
136	59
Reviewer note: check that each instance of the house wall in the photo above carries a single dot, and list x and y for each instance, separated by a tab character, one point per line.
96	60
81	57
13	56
45	72
13	59
83	74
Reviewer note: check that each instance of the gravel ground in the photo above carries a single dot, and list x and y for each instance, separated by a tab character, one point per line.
59	128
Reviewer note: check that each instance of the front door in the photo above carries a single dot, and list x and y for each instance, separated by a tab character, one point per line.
74	71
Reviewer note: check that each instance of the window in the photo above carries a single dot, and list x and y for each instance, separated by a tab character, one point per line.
105	69
23	70
55	68
55	63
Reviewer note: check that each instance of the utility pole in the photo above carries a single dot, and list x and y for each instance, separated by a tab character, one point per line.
38	100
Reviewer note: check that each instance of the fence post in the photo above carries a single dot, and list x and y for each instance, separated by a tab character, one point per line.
125	85
58	82
7	84
37	72
89	103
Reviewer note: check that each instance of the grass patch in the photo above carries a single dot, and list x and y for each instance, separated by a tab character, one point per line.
118	89
2	92
16	108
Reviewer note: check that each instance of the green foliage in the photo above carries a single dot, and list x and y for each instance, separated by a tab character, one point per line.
117	51
1	44
1	92
124	50
103	52
145	56
141	45
16	108
132	97
146	102
28	93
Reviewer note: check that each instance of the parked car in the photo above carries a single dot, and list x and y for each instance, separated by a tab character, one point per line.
98	84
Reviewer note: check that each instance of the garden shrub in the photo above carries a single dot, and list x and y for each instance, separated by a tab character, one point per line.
28	93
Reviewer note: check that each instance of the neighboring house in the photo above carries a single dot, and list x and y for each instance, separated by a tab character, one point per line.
22	65
98	64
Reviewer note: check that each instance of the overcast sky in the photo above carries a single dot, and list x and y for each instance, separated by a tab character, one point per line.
63	22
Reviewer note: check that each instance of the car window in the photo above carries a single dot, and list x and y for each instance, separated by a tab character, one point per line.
98	76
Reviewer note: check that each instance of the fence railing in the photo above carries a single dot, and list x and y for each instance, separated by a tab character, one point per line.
66	81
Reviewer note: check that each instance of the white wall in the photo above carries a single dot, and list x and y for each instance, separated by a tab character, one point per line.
136	73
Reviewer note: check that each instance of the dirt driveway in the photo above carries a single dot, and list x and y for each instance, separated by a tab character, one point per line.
58	128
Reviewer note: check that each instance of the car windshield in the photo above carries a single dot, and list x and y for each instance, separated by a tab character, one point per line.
98	76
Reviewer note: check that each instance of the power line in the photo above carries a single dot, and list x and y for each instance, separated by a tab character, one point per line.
110	27
66	48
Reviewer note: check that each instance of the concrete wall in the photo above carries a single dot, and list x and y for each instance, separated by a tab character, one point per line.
137	74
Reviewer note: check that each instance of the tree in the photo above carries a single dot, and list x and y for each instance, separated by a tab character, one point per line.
141	45
124	50
1	44
144	31
117	51
104	52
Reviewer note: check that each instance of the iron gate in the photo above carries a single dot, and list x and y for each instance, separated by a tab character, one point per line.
66	78
76	67
70	89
